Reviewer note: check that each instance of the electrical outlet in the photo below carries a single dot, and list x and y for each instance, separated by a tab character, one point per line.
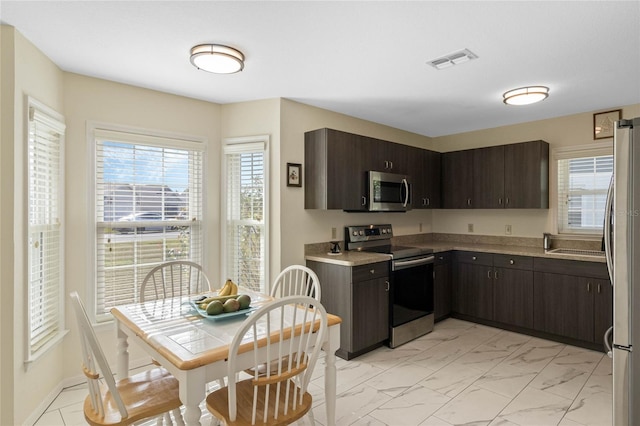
507	229
470	227
420	227
334	233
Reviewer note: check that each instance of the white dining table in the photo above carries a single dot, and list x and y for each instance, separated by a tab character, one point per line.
195	349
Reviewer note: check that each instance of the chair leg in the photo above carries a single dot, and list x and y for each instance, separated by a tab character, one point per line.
177	416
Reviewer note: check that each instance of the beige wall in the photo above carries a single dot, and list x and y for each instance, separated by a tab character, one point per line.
260	118
564	131
26	72
300	226
93	100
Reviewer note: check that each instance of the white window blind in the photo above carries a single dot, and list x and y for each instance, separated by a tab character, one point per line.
45	227
148	211
245	214
583	182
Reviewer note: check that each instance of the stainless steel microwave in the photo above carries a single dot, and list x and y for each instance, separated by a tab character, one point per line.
389	192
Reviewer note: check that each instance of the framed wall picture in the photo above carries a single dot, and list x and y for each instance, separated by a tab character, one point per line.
294	174
603	123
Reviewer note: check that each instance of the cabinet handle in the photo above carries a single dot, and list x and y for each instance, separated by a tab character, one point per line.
428	202
440	258
599	288
474	258
589	287
468	201
500	200
495	275
511	262
387	288
391	164
507	201
373	271
489	274
364	201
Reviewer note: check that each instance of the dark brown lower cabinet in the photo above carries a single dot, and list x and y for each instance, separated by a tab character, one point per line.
359	295
513	297
442	286
572	305
473	295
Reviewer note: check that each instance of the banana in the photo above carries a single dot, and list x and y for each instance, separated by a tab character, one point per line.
234	287
225	290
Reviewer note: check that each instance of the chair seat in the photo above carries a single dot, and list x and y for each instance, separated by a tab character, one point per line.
145	394
218	404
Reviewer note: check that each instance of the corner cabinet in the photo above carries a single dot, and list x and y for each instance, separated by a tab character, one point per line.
360	296
512	176
442	286
425	172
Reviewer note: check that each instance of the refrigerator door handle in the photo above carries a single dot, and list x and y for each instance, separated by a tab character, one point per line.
608	210
607	345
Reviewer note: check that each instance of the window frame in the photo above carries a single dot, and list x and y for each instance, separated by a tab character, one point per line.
136	135
574	152
238	142
38	111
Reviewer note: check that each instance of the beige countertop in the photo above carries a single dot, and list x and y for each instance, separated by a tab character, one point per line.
356	258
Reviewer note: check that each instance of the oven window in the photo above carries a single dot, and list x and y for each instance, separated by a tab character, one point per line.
412	295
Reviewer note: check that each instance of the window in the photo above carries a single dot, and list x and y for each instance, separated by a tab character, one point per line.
583	182
246	200
45	298
148	206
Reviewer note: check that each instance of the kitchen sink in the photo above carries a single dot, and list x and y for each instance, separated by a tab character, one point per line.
576	252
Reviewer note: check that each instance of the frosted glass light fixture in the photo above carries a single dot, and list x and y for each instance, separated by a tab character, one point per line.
217	58
526	95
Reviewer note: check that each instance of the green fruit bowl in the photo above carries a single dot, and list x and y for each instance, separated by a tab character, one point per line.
222	316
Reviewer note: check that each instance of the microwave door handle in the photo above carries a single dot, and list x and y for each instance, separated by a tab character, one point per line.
406	192
607	230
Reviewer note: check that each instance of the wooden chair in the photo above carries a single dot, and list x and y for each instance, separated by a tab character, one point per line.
296	280
174	278
129	399
278	397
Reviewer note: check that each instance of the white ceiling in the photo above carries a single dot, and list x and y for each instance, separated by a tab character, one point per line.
364	59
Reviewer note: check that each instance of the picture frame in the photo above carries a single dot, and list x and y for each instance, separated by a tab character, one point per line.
294	174
603	123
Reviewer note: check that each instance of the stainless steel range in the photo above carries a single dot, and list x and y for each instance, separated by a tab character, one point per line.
411	281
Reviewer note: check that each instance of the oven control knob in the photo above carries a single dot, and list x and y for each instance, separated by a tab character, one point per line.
355	233
361	233
388	230
384	231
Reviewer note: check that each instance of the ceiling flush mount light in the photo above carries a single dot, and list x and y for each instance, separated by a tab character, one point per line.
526	95
217	58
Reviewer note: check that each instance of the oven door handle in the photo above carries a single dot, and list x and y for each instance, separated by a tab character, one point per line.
403	264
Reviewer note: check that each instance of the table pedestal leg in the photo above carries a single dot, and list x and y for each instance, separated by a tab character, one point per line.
193	391
122	350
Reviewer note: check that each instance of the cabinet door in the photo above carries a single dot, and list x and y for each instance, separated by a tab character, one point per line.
441	288
457	179
370	312
334	173
473	293
513	297
431	175
488	177
526	174
563	305
603	308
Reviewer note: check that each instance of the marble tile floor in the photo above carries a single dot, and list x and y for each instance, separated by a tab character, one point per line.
460	374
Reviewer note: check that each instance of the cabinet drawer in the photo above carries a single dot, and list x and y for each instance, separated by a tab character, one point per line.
441	258
370	271
572	267
475	258
513	262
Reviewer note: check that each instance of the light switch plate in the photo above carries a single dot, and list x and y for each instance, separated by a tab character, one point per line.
470	227
507	229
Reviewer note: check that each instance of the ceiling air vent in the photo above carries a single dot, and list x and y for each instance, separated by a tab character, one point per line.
452	59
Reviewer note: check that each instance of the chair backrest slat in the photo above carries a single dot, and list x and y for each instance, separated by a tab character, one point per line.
174	278
296	280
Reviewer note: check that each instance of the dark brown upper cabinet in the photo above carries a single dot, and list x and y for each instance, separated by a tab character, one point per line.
425	173
514	176
457	179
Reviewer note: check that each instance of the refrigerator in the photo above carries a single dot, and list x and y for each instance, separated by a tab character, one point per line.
622	246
